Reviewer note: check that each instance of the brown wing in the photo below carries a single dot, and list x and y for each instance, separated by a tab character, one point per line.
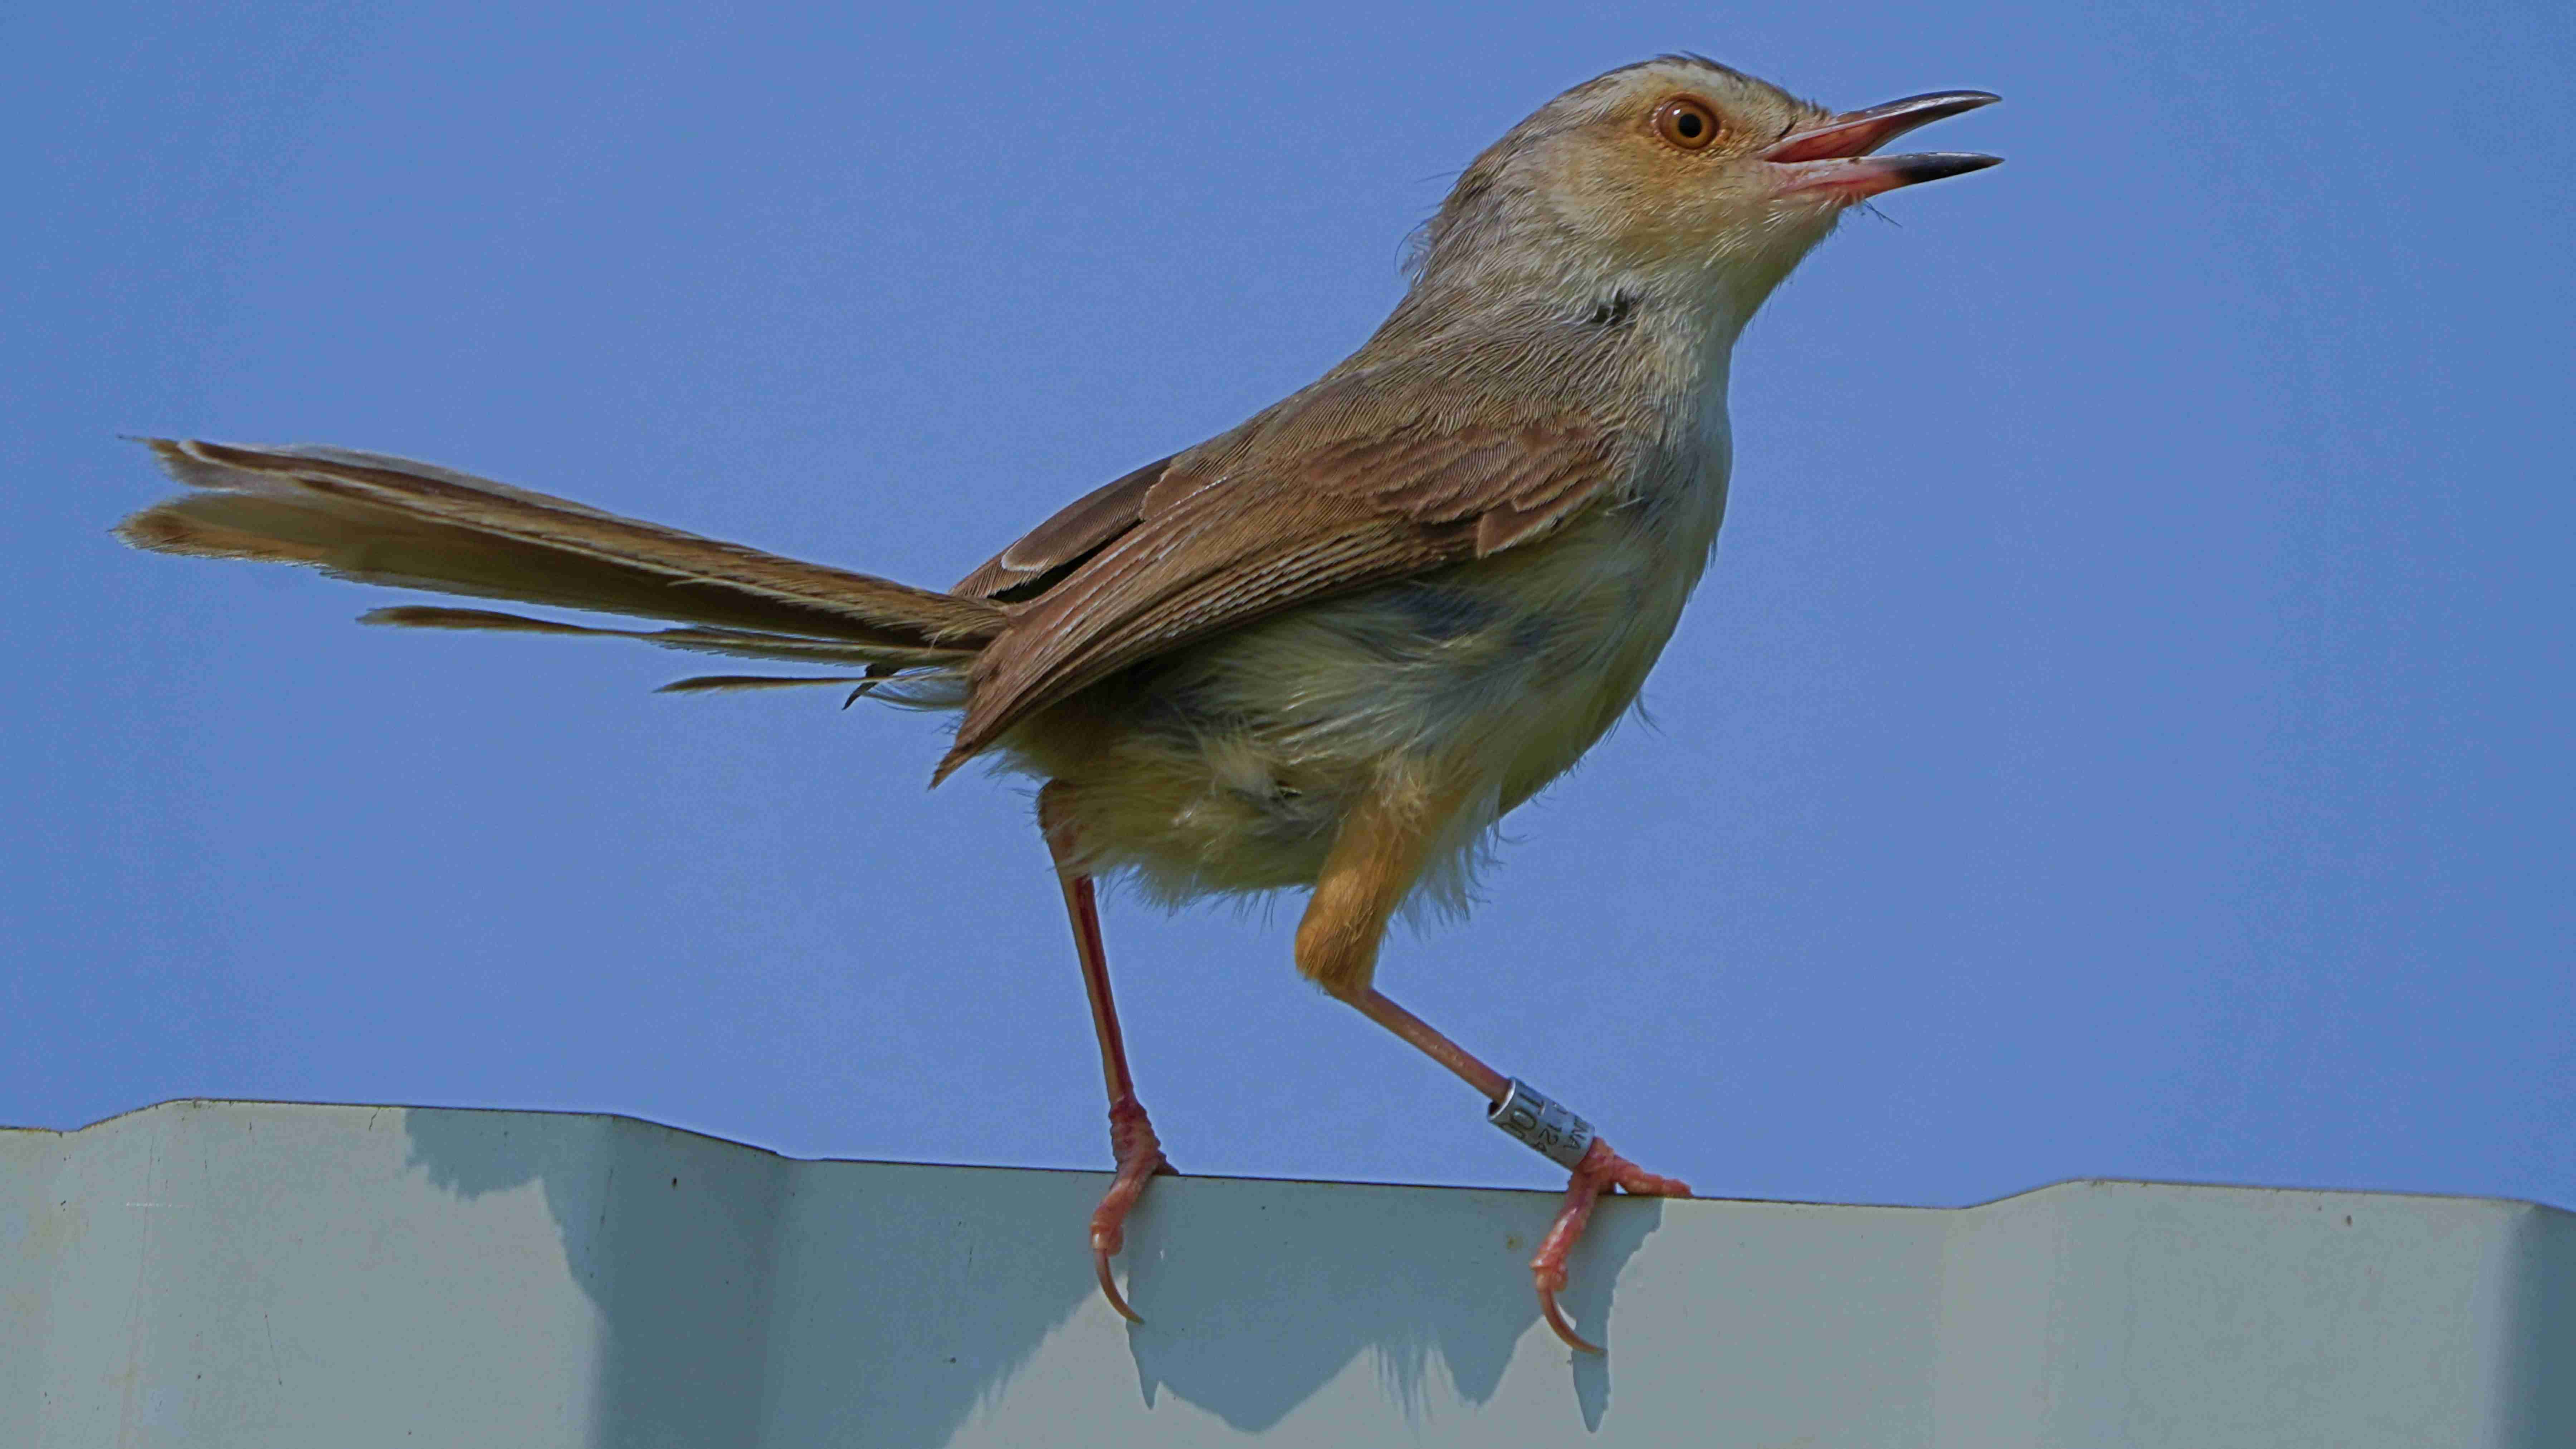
1350	484
1076	532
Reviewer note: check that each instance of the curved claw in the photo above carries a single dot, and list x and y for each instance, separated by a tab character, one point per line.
1140	1160
1109	1285
1555	1319
1600	1170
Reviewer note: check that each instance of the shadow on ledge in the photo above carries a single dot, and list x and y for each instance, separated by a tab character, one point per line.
749	1299
1253	1304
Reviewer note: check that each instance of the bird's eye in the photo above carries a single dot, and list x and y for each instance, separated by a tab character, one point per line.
1686	123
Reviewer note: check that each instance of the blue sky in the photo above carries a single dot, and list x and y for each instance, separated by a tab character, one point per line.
2124	732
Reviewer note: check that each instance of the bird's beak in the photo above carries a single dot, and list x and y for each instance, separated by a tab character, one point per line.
1835	157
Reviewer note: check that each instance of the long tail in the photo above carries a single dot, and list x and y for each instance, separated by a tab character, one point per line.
384	520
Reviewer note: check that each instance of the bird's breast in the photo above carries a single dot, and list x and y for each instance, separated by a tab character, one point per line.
1230	764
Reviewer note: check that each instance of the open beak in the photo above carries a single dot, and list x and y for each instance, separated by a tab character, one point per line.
1835	157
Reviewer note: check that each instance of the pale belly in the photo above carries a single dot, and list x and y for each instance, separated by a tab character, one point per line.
1228	766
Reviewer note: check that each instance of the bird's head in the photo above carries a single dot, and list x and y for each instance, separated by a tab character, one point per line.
1675	179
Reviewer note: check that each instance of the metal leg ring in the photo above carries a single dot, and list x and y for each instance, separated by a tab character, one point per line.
1547	1128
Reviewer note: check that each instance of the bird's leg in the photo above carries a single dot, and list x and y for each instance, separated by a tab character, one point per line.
1383	846
1131	1134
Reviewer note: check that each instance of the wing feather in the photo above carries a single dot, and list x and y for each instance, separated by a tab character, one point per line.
1265	519
1072	534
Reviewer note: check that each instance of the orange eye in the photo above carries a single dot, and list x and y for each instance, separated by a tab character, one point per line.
1686	123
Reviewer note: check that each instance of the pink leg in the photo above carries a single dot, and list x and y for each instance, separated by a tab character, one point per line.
1373	1004
1375	860
1600	1168
1131	1134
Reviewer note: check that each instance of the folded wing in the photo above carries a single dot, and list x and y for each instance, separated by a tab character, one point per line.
1357	481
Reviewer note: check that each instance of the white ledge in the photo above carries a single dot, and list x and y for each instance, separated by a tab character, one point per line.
256	1274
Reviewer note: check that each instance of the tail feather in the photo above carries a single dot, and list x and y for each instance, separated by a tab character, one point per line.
715	683
384	520
740	643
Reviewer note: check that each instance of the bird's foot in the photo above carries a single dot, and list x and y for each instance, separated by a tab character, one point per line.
1600	1169
1140	1157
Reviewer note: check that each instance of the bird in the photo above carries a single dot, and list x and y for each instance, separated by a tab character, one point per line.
1329	648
